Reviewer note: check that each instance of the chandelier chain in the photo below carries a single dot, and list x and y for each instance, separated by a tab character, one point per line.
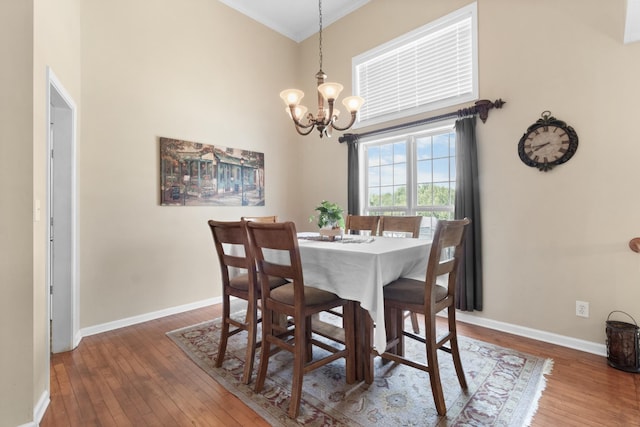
320	32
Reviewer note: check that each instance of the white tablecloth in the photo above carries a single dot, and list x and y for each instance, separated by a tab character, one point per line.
357	268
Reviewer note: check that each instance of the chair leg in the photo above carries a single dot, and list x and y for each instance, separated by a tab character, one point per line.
250	321
224	330
307	340
432	362
455	349
414	322
299	357
265	350
399	332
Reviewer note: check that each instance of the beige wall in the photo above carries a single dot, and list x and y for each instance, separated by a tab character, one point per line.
197	71
16	245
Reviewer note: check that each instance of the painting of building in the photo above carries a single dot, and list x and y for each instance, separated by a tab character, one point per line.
196	174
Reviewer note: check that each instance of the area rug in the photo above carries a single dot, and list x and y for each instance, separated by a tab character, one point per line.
503	385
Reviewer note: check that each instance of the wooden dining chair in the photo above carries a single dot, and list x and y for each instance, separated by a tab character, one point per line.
409	225
299	302
357	223
405	226
233	250
270	218
428	298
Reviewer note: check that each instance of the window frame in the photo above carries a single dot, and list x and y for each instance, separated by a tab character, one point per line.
453	18
411	136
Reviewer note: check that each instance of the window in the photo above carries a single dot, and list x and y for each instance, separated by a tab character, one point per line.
411	174
432	67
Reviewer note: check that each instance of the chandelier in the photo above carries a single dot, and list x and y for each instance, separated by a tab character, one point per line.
325	119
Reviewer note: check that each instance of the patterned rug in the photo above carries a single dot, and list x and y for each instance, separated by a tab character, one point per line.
504	386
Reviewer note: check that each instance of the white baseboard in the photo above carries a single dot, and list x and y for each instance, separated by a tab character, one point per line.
39	410
549	337
116	324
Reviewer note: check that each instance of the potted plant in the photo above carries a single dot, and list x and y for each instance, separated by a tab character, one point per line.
330	219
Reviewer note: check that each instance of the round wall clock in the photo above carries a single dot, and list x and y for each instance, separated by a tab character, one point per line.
547	143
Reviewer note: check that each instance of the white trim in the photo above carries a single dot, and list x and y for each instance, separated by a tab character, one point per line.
134	320
39	410
632	22
41	407
548	337
72	293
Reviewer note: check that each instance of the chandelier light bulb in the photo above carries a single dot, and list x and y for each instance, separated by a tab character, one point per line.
330	90
353	103
291	96
299	111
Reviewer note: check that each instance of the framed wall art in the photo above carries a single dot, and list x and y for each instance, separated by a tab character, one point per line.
195	174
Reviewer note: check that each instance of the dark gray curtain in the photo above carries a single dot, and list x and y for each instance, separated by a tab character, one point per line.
353	177
469	288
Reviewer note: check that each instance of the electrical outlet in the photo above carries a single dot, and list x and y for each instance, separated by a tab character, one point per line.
582	309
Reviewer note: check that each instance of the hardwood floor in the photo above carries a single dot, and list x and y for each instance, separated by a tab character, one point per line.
136	376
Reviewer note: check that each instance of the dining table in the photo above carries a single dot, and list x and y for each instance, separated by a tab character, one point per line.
356	268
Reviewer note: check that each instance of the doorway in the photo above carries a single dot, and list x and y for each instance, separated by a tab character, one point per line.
62	280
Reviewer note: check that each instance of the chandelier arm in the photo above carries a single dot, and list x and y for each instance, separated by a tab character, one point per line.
310	127
353	120
299	124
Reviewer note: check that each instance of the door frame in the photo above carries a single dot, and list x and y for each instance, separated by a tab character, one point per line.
63	304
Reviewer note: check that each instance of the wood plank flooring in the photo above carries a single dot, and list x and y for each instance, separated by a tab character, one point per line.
136	376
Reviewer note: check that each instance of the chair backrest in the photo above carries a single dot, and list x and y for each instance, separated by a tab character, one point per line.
271	218
362	223
447	250
280	239
400	224
228	237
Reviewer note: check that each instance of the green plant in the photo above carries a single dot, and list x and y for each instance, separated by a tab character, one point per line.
329	214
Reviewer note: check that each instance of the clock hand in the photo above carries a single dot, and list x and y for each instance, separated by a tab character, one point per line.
537	147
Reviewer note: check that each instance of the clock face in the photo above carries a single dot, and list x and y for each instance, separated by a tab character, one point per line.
545	145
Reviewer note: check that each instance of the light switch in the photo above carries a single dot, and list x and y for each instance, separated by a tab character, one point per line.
36	211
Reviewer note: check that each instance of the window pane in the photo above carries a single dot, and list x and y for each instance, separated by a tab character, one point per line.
400	152
386	154
386	175
386	196
441	145
441	169
423	148
374	196
373	154
400	196
400	174
374	176
424	171
425	195
441	194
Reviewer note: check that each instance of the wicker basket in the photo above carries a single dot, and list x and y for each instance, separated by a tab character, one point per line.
623	344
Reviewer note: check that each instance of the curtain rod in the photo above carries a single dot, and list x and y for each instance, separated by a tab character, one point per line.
481	108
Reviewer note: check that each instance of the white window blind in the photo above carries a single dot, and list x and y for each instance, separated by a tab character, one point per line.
427	69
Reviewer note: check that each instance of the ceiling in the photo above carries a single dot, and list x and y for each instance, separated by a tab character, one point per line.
296	19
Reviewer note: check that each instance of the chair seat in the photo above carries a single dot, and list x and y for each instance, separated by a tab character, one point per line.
313	296
410	291
241	282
